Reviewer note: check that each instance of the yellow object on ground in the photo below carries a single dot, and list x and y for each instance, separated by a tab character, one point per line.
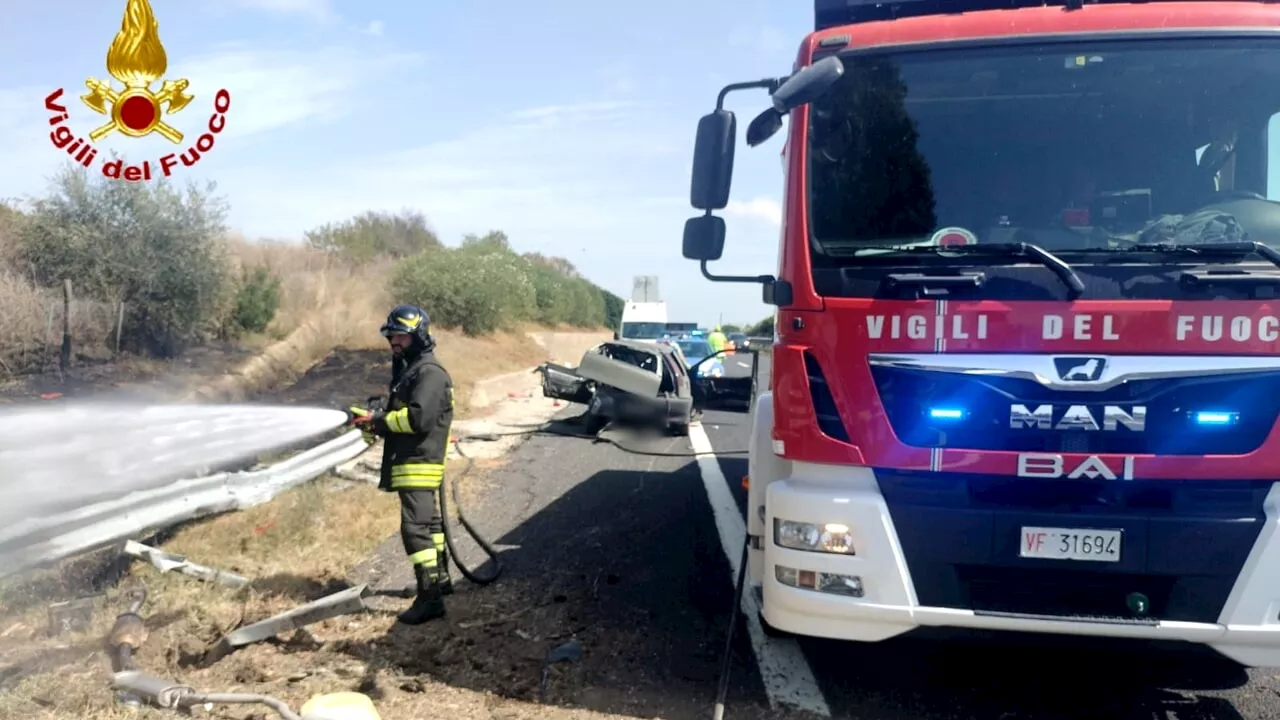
340	706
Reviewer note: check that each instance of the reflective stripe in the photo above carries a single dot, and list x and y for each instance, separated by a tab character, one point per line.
426	558
437	539
405	469
398	421
417	475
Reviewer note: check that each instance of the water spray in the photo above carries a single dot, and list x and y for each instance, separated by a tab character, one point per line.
63	456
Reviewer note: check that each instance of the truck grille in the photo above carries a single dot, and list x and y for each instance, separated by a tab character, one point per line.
909	394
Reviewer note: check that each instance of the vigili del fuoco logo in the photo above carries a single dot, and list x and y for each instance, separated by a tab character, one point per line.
136	59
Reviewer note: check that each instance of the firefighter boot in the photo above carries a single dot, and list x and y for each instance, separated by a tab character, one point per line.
429	604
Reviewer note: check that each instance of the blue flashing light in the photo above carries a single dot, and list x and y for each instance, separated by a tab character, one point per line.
946	413
1216	418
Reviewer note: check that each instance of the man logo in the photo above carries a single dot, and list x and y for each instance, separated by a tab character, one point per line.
1079	369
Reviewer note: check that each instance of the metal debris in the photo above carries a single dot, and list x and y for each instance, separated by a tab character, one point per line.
345	602
167	562
566	652
128	634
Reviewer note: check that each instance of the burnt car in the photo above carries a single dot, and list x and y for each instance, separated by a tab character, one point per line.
639	383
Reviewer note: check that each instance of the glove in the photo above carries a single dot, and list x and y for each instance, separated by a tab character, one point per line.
377	423
361	418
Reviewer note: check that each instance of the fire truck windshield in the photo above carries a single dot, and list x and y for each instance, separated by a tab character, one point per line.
1089	151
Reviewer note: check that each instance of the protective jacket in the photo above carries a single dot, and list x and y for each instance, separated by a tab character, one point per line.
415	428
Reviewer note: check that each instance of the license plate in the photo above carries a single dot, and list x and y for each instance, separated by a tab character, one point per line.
1070	544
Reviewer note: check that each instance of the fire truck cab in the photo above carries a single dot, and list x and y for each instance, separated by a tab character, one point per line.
1027	367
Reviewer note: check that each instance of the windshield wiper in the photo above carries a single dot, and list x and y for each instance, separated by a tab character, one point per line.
1206	250
1002	250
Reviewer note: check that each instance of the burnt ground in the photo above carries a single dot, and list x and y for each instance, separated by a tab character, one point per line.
342	378
126	375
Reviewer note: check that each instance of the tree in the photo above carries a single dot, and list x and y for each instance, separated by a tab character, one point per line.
764	328
156	248
613	307
494	241
376	234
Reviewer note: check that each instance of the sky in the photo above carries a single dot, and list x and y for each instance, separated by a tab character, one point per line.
568	125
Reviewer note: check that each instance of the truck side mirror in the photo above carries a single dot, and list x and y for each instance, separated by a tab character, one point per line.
713	161
704	237
800	89
811	83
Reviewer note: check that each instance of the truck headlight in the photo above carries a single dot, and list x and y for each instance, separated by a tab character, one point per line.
827	537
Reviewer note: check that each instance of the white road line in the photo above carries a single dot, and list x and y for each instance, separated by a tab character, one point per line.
788	679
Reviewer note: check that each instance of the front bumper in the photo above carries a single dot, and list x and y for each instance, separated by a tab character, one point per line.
942	551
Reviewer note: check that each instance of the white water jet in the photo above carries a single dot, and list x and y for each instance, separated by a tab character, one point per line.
70	454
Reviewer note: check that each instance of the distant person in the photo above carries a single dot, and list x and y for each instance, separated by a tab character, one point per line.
415	427
717	339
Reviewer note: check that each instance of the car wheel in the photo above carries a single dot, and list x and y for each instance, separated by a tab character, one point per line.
680	429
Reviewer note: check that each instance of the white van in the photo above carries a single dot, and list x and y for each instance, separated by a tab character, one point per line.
643	321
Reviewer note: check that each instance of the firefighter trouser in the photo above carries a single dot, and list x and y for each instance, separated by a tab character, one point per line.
422	531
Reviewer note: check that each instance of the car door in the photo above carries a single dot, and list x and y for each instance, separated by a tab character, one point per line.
563	383
729	388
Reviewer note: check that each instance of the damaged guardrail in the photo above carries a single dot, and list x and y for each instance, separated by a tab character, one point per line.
39	541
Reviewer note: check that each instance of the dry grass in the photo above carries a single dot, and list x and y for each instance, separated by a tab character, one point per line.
296	548
31	324
471	359
347	303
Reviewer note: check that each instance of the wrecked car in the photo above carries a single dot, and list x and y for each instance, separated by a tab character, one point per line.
639	383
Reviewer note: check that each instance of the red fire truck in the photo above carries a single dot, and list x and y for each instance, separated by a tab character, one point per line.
1027	367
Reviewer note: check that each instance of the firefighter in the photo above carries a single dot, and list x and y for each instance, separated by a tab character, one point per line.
716	339
415	430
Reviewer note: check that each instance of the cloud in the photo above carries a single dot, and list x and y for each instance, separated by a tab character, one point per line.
763	209
27	153
274	89
321	10
271	91
374	28
573	178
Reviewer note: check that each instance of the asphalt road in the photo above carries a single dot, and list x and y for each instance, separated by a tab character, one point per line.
961	675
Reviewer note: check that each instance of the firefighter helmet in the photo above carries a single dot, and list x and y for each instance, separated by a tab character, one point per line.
409	320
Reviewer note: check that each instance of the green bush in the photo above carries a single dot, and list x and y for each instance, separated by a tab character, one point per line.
257	300
158	249
764	328
483	286
376	234
478	293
